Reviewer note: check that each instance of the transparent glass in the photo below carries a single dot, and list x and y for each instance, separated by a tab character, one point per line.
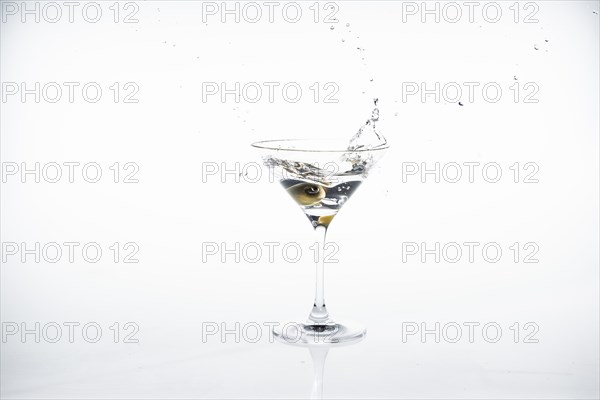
320	175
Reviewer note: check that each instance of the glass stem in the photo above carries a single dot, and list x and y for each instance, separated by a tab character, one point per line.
319	314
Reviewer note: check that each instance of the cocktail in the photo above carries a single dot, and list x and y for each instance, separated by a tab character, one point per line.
321	175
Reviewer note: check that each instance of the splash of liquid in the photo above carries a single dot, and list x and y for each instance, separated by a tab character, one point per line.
367	137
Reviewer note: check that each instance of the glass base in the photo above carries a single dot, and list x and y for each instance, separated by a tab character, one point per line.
307	333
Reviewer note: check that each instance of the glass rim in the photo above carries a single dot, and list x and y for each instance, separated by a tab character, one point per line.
272	145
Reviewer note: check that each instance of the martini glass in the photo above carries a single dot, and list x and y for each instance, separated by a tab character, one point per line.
320	175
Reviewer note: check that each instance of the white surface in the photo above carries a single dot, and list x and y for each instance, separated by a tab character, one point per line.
170	293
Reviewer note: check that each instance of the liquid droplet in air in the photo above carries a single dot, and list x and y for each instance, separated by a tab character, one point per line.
375	112
332	27
348	25
535	47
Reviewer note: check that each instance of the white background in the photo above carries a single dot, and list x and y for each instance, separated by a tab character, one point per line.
172	135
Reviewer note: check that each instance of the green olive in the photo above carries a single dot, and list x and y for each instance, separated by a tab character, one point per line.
306	194
325	220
